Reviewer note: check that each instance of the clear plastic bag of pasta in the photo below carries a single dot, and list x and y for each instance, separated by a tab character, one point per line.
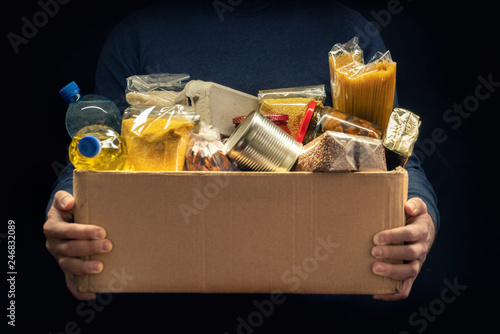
363	90
157	137
291	101
157	89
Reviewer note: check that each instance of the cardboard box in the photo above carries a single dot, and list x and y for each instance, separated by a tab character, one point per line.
240	232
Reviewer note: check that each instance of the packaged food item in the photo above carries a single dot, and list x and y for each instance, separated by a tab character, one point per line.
260	145
369	154
291	101
217	104
280	120
157	137
157	89
205	152
97	147
400	137
327	153
305	122
330	119
340	152
363	90
316	92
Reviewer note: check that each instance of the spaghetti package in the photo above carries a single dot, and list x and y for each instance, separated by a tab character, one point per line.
291	101
363	90
157	137
157	89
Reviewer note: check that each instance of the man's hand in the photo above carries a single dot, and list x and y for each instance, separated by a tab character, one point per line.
417	236
68	241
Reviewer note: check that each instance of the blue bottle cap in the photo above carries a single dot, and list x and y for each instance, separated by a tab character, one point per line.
89	146
69	91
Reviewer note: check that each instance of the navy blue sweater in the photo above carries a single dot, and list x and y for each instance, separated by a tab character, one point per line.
247	45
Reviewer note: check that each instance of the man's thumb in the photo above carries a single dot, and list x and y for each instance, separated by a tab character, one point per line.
63	200
415	207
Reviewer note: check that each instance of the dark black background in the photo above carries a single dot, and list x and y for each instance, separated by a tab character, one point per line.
441	50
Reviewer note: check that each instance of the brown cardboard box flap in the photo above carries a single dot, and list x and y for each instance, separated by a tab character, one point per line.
240	232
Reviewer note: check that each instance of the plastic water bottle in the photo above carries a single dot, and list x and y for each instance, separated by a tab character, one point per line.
88	109
94	123
98	147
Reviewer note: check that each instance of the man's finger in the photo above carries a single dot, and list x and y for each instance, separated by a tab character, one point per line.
71	284
397	271
408	252
78	266
408	233
62	208
402	294
415	206
80	248
63	200
64	230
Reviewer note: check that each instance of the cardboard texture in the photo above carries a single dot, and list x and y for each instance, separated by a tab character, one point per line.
240	232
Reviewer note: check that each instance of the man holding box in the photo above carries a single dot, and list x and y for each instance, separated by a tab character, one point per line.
247	46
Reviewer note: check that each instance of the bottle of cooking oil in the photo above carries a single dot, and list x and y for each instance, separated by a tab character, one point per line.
98	147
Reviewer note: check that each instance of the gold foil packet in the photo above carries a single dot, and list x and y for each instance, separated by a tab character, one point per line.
402	132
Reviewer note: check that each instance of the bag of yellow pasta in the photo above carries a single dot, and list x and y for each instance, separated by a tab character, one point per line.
363	90
157	137
292	101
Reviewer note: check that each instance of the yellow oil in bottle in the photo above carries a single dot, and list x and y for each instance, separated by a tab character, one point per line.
105	151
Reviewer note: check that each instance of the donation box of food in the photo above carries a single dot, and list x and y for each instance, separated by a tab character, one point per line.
238	232
224	192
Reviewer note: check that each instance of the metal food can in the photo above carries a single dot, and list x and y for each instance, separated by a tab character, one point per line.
280	120
260	145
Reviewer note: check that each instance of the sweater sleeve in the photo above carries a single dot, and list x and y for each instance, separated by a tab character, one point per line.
418	184
64	182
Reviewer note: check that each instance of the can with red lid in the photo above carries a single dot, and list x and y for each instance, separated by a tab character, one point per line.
280	120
